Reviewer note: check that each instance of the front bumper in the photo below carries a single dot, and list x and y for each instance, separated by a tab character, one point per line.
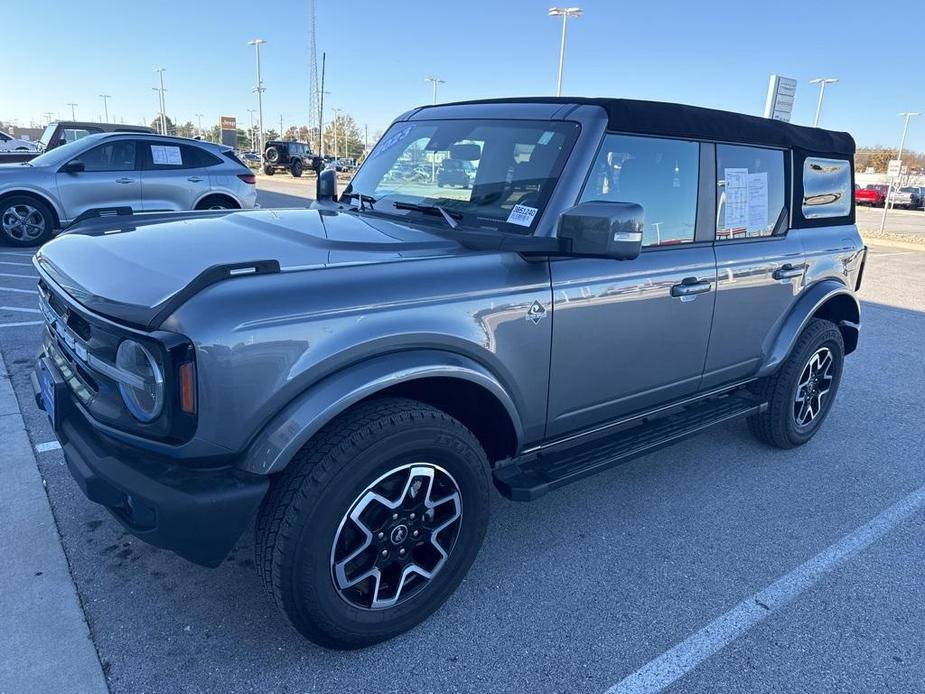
196	513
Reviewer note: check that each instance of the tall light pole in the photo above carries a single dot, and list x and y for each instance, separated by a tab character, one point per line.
565	13
106	98
252	111
821	81
199	123
256	43
902	142
160	71
434	81
73	112
336	116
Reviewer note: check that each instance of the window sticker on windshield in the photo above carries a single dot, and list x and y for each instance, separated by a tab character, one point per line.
166	155
545	137
522	215
391	141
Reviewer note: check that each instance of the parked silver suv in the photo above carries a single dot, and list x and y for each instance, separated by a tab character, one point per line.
99	173
619	276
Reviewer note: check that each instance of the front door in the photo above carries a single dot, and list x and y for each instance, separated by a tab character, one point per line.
631	335
110	179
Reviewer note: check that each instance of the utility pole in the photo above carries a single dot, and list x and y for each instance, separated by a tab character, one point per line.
321	108
160	71
821	81
434	81
313	88
334	123
256	43
252	111
902	142
565	13
106	98
199	123
73	113
281	126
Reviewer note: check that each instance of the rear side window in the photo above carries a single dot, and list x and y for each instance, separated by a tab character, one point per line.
826	188
166	156
750	191
659	174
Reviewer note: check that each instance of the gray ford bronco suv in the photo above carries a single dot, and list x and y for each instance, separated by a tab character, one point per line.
353	379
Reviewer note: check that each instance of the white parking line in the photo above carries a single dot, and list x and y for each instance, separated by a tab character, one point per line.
17	254
7	262
47	446
20	310
684	657
25	277
19	291
19	325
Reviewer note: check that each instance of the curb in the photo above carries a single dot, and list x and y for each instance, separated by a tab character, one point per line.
45	640
893	243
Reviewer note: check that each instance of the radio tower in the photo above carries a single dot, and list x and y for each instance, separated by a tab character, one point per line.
313	89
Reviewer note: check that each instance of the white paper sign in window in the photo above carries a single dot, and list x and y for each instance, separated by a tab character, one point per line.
736	191
166	155
757	204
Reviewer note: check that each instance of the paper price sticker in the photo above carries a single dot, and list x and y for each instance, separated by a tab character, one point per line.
522	215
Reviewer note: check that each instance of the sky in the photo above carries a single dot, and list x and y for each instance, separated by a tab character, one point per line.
717	55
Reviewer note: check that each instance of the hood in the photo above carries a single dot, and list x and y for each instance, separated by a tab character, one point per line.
137	271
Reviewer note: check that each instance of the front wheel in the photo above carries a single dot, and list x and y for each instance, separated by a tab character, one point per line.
801	392
374	524
296	168
25	221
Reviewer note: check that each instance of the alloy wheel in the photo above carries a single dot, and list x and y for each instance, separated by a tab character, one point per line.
813	387
396	536
23	222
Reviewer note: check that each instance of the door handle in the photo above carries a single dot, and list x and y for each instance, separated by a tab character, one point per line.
194	179
788	271
690	287
125	180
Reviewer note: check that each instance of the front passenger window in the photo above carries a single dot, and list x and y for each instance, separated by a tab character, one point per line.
111	156
659	174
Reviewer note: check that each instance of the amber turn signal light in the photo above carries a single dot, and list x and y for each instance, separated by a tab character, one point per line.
188	387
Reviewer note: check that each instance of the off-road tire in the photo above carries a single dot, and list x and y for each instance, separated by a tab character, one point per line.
272	155
40	208
777	425
296	169
302	512
268	170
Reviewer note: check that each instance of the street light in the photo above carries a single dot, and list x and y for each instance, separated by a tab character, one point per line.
434	81
160	71
256	43
821	81
73	116
337	112
565	13
252	111
106	98
902	142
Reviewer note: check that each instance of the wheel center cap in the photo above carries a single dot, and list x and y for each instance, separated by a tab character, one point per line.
399	534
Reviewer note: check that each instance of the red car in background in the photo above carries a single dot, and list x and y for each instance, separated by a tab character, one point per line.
873	195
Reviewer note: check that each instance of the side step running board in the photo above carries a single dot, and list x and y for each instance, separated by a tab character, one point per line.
525	479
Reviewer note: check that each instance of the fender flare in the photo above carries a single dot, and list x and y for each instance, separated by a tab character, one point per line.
286	432
810	302
41	195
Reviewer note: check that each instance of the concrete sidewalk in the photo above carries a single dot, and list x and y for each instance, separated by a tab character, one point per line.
45	644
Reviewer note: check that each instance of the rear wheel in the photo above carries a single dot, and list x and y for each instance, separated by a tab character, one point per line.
268	170
217	202
801	392
374	524
25	221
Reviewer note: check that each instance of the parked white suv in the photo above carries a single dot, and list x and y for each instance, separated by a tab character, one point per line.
8	143
107	171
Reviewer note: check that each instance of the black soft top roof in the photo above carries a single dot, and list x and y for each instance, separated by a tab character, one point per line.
680	120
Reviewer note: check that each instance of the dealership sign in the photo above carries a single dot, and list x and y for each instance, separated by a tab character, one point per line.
781	93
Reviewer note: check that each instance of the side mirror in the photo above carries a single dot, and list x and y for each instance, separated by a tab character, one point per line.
326	185
603	230
73	166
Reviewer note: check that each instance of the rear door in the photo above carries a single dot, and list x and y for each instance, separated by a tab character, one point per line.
111	178
760	265
625	338
174	176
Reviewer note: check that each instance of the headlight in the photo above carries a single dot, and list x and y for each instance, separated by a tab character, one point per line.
144	398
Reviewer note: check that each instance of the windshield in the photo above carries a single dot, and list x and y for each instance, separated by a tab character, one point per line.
493	175
46	135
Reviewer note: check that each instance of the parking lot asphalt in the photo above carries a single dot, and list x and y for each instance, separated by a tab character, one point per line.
579	590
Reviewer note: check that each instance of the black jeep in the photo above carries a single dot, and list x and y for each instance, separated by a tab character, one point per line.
280	155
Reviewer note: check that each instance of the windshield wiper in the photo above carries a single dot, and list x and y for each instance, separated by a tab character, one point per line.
363	199
449	217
